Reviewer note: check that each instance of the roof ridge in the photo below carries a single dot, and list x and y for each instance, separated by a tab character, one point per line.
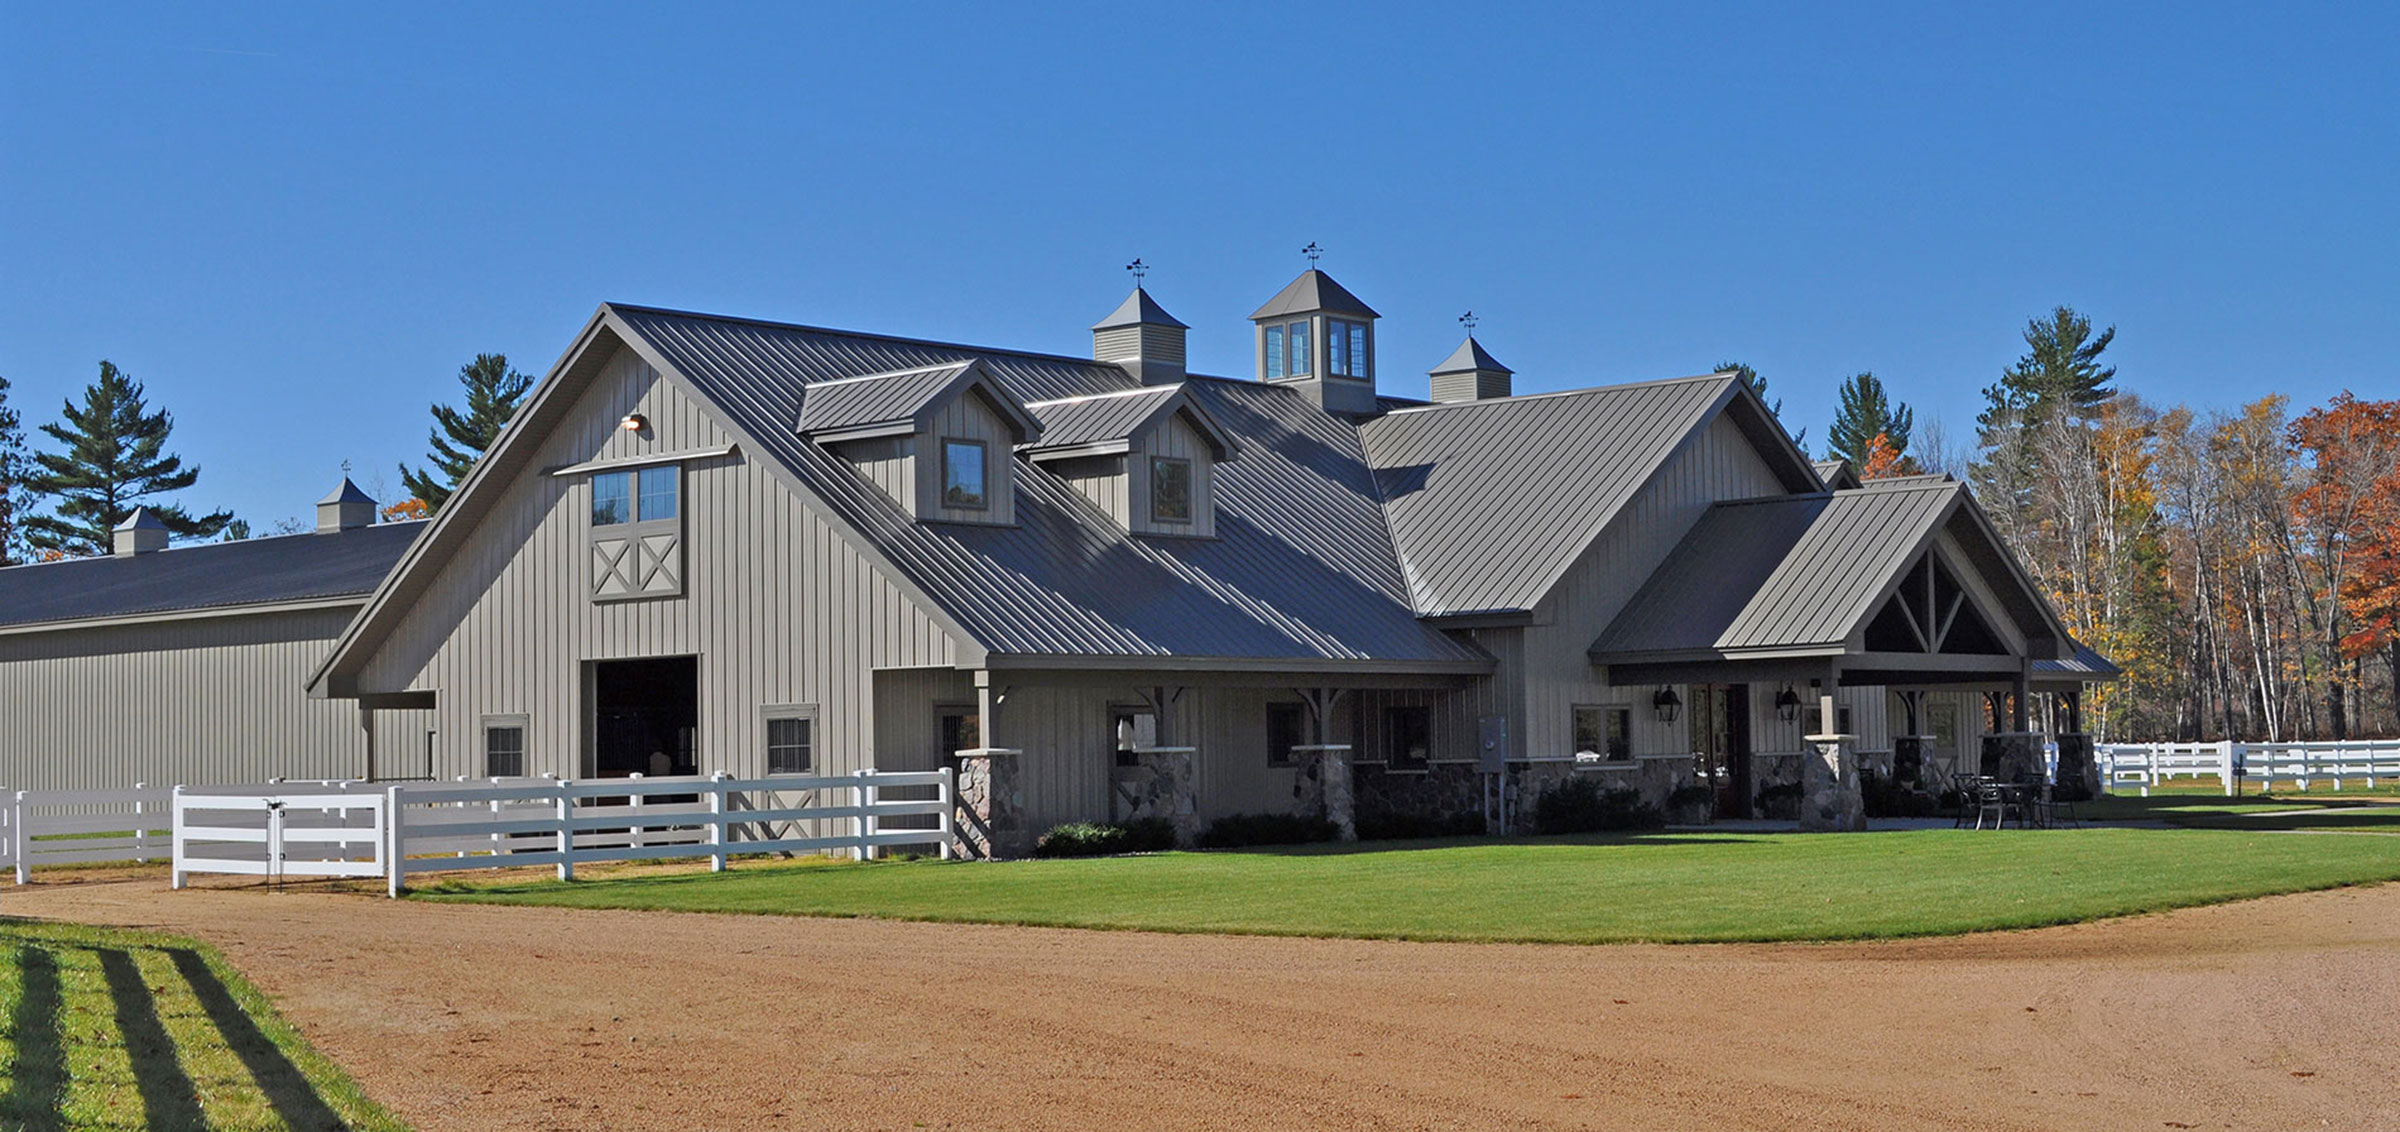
883	375
1174	387
1523	397
212	543
866	334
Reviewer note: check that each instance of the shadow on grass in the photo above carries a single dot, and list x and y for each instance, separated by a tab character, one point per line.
295	1100
38	1082
168	1098
1560	841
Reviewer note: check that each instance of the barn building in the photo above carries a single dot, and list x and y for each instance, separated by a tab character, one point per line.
1100	587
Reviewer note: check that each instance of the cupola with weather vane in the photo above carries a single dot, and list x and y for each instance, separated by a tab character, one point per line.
1317	337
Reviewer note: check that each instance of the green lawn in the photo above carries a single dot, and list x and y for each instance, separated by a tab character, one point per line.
1665	887
2357	811
115	1029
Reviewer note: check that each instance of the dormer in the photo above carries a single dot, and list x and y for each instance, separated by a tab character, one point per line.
1147	457
1315	336
936	439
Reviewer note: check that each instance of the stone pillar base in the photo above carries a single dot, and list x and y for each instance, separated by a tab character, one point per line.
2012	755
1830	799
1322	783
1161	786
2078	770
991	804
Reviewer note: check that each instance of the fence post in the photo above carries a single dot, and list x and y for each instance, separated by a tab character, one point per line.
566	832
393	842
2225	764
175	839
635	801
946	791
858	823
141	827
18	843
716	821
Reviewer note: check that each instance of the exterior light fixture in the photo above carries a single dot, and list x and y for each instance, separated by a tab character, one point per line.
634	422
1667	704
1787	704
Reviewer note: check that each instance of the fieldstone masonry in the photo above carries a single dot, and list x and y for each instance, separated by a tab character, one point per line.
2078	770
2012	755
1160	785
1830	800
991	804
1322	786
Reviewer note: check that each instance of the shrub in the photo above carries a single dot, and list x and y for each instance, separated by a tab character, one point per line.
1780	802
1582	805
1090	839
1417	827
1886	797
1694	803
1236	830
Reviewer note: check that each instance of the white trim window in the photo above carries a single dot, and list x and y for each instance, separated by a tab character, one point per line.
791	734
1604	730
504	745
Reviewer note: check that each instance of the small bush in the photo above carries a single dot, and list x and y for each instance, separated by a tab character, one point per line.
1780	802
1418	827
1236	830
1090	839
1582	805
1886	797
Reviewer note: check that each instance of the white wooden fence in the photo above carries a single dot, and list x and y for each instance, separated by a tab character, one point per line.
396	830
2144	765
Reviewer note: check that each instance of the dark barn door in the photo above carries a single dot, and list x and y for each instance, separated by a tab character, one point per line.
646	716
1720	738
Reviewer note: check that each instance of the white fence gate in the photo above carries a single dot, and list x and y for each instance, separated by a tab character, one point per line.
276	834
2144	765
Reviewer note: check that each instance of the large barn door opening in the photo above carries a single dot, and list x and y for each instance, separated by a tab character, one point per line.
1720	737
646	717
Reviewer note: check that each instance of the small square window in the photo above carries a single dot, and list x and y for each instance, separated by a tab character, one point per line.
612	498
1287	727
1170	490
658	493
1605	731
504	750
791	744
963	475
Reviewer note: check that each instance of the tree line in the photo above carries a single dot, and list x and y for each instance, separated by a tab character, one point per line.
106	456
2241	565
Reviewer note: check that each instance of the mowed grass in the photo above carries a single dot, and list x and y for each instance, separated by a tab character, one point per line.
106	1029
2325	811
1695	887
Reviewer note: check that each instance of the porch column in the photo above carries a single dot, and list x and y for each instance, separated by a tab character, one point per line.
1324	785
1165	779
366	722
1830	798
990	800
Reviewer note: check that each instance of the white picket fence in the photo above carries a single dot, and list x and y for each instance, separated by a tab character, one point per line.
2144	765
397	830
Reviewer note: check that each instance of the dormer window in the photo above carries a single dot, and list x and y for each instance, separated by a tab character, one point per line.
1288	350
1346	348
963	475
1170	490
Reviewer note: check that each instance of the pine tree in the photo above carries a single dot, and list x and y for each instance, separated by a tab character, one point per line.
1867	412
13	498
460	437
2061	368
1758	385
114	458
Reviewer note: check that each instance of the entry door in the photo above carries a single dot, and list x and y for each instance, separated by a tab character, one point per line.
1720	739
645	717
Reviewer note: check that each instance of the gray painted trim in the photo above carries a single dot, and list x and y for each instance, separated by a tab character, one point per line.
201	614
644	461
1308	668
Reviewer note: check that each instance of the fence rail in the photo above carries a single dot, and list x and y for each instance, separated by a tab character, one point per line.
2144	765
396	830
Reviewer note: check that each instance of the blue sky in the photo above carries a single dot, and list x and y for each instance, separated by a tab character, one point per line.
295	222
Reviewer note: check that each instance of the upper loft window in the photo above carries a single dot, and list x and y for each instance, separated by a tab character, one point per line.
1288	350
640	496
1346	348
1170	490
963	475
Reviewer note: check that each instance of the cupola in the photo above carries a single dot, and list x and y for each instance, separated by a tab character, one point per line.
1143	338
1317	337
346	509
1470	373
141	533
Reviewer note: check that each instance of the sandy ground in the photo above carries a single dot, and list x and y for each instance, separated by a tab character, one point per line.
2281	1013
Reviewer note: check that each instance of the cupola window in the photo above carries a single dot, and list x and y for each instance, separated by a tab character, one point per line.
1288	350
1346	348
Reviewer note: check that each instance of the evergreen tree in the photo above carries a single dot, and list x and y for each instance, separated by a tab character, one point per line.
13	498
1758	385
114	458
2059	382
459	437
1867	412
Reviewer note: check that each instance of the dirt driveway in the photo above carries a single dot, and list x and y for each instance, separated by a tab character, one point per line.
2280	1013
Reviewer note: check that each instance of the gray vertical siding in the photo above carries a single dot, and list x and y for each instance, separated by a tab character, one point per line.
199	701
778	605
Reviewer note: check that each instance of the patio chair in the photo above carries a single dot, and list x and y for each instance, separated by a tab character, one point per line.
1964	786
1994	798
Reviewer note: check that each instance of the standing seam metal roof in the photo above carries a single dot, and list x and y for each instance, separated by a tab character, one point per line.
1788	572
1491	501
882	398
1302	567
259	571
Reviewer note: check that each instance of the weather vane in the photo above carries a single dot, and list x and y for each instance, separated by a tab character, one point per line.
1469	320
345	467
1312	251
1139	270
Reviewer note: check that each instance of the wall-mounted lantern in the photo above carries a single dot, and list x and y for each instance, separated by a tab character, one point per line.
634	422
1667	704
1787	705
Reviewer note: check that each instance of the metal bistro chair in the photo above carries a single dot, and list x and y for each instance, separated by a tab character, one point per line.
1964	786
1995	798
